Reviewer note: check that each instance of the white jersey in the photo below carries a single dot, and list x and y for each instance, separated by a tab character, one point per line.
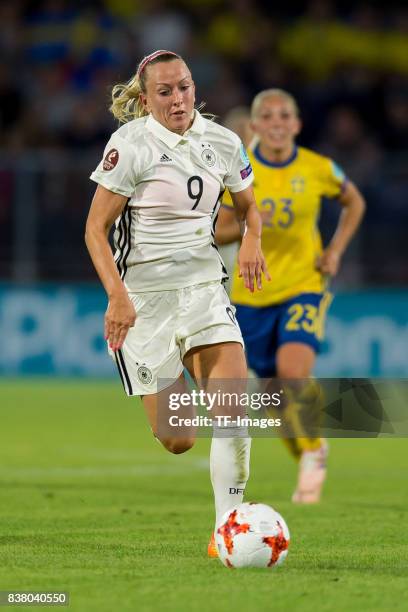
164	238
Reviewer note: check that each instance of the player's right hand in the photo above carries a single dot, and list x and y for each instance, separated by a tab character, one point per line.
251	262
329	262
120	316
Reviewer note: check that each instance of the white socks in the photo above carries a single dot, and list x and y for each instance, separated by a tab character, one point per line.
229	466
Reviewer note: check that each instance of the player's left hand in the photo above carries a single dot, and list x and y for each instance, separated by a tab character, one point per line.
329	262
251	262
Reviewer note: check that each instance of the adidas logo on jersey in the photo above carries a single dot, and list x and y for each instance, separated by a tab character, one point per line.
165	158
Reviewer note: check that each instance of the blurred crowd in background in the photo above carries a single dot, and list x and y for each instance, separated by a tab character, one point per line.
345	62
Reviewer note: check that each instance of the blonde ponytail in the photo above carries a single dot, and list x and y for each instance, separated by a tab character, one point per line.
126	104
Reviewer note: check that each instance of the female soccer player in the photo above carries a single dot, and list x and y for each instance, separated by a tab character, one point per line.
161	178
283	325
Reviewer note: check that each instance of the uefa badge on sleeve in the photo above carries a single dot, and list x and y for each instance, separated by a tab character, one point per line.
111	159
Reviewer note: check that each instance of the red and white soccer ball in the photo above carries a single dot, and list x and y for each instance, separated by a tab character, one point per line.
252	535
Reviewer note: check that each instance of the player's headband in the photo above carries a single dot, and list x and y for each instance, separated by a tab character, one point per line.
151	57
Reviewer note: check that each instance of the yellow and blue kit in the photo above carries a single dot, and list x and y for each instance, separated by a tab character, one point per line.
291	307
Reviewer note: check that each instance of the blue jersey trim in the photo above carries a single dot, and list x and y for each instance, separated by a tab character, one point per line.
283	164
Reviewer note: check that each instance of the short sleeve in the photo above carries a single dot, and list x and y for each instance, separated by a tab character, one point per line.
117	170
333	179
240	175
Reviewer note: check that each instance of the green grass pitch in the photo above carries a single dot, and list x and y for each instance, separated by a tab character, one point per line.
91	504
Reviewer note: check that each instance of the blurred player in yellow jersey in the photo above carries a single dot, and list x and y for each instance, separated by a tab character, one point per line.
283	324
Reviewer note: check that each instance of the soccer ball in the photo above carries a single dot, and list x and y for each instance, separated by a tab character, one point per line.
252	535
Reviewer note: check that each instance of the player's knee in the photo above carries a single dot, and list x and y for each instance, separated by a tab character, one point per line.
177	445
292	370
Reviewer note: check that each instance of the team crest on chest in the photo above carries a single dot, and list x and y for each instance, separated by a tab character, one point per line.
208	155
298	184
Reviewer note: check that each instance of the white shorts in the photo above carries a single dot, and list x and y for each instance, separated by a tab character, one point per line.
169	324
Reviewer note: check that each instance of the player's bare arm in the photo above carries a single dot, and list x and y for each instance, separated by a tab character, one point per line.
250	257
353	205
227	228
120	315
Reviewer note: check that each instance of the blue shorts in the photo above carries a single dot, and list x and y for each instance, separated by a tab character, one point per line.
265	329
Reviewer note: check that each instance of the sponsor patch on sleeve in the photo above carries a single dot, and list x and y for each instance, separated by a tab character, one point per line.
246	172
111	159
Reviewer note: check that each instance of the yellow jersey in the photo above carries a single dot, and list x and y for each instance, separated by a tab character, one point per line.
291	193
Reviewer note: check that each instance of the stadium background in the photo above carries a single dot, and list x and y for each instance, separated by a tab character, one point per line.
347	64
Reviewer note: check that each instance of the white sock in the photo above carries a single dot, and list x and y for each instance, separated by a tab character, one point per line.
229	467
